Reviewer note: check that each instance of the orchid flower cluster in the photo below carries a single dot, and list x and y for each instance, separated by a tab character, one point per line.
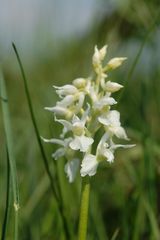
84	110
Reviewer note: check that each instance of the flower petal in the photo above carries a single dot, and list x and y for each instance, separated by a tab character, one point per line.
80	102
112	121
115	146
112	118
71	168
109	155
53	140
60	152
103	119
81	143
66	90
61	111
66	101
119	132
65	123
89	165
104	101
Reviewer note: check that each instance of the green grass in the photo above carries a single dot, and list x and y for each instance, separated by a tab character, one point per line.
12	163
124	203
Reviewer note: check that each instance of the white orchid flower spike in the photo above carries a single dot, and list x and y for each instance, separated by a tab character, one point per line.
83	109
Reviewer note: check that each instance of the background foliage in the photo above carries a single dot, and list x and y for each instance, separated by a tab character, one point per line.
125	196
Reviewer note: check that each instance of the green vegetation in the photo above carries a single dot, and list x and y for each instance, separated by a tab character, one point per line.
125	197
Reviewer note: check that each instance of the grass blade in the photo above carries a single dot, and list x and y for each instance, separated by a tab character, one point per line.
96	216
8	200
9	140
35	124
137	57
152	219
115	234
46	165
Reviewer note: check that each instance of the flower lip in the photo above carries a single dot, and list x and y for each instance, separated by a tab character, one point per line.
104	101
71	169
89	165
81	143
112	121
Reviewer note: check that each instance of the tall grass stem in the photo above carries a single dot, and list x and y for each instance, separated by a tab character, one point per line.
9	140
45	161
8	200
137	57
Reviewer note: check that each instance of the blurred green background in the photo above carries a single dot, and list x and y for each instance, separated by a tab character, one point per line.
55	40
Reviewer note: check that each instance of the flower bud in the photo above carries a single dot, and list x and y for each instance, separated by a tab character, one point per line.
79	82
102	52
60	111
114	63
112	87
98	56
66	90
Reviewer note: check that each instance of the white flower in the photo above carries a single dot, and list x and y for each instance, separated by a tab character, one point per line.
79	104
112	121
77	126
89	165
105	151
71	169
104	101
66	101
80	125
62	151
66	90
81	143
92	92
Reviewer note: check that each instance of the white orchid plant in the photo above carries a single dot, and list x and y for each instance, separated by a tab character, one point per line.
85	108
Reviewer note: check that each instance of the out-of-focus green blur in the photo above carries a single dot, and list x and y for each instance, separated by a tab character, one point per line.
125	195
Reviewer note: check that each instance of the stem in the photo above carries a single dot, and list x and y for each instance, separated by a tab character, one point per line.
51	179
9	143
83	220
8	201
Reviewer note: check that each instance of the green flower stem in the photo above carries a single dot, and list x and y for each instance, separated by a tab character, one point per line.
83	219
